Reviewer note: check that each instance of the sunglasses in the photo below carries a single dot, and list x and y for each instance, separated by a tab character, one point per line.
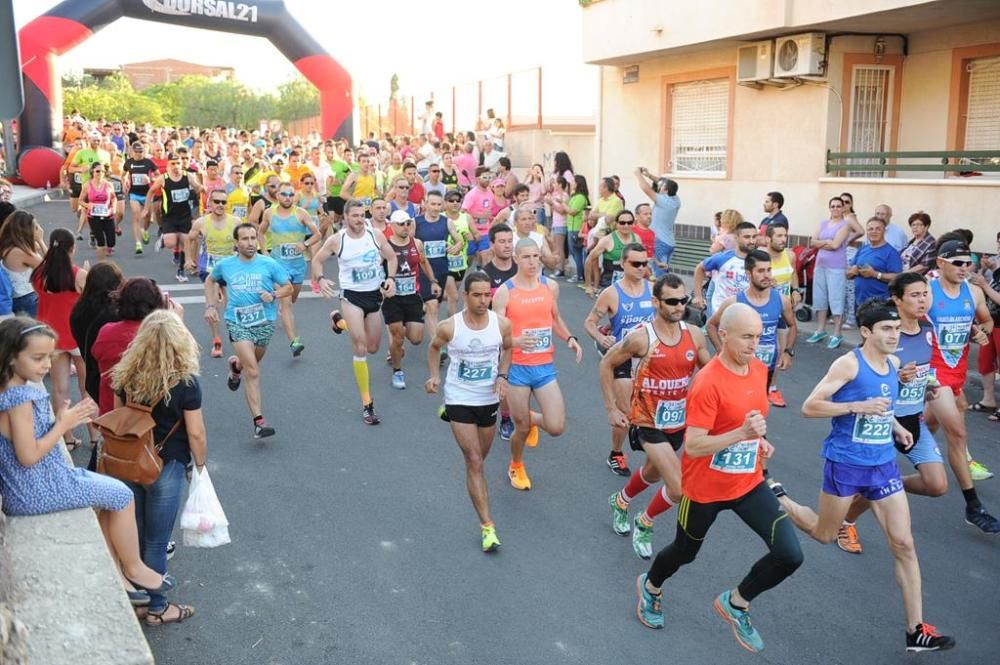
673	302
626	222
219	202
460	200
960	264
173	163
435	171
406	223
403	187
638	264
286	195
98	171
308	182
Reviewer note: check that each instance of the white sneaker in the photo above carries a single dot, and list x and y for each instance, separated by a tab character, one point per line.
399	380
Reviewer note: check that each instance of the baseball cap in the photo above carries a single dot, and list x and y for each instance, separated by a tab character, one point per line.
953	249
399	217
94	134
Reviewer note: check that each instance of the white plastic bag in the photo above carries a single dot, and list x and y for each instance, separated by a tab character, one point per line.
203	521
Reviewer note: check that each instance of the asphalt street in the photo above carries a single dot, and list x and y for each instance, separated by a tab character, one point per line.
356	544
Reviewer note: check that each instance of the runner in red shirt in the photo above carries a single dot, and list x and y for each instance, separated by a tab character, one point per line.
721	470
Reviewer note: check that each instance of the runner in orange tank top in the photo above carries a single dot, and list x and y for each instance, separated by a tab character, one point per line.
530	301
669	352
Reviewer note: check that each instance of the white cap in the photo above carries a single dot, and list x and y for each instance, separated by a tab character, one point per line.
399	217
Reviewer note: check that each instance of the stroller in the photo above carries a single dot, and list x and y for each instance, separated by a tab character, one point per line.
805	263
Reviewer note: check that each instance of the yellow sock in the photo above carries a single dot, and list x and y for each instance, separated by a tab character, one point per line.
361	378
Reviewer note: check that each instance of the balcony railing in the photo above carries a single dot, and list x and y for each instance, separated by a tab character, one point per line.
879	164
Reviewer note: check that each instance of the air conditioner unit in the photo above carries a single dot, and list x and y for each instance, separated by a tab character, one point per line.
755	62
799	55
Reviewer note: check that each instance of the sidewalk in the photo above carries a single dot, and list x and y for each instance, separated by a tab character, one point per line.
24	196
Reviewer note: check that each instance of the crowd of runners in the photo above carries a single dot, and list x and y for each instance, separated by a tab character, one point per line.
436	237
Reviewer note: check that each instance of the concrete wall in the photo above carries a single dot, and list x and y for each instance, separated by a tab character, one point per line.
531	146
779	136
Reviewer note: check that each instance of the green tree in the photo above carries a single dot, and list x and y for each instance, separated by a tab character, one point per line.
297	99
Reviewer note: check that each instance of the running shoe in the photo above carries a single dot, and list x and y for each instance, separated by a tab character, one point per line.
648	608
368	414
618	463
743	630
817	336
926	638
619	516
847	539
519	479
506	428
79	236
557	274
834	342
171	549
233	382
297	347
337	322
216	348
181	276
138	248
982	520
490	541
532	439
262	430
776	398
176	258
93	240
158	245
979	470
145	237
399	380
642	538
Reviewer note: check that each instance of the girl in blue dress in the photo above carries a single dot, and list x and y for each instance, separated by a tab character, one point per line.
35	478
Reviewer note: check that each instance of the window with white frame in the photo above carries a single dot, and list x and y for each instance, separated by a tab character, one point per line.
871	109
982	120
699	126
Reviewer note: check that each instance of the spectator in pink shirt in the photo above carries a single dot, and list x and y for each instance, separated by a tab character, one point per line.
466	165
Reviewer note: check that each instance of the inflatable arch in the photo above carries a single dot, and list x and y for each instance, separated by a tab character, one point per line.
72	21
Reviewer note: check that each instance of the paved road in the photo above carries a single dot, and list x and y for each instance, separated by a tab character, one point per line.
354	544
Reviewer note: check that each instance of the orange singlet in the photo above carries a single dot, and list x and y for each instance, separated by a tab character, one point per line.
530	313
659	391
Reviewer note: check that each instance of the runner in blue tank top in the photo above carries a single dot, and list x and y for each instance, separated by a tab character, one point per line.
859	393
292	232
435	229
627	303
773	309
911	295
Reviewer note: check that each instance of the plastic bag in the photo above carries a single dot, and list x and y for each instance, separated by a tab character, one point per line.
203	521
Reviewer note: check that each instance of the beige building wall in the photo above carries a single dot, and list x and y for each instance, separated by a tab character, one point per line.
779	137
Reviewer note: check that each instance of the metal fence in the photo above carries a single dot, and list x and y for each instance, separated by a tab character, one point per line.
559	96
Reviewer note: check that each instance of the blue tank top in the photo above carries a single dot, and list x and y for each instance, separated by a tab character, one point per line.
858	439
632	311
952	320
435	238
914	349
286	233
770	316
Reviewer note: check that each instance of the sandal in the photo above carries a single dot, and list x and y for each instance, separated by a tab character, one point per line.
158	619
979	407
994	417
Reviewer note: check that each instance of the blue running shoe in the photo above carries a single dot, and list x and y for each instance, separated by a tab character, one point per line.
506	428
743	630
817	336
648	609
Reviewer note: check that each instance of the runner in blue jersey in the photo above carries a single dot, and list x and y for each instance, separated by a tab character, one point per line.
253	283
435	230
292	232
773	308
627	304
911	295
860	393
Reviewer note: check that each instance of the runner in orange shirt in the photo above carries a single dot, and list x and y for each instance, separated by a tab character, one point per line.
721	470
530	301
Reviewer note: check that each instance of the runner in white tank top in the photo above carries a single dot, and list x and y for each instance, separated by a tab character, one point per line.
479	348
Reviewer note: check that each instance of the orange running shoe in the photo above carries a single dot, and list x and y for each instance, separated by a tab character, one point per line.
847	539
776	398
519	479
216	348
532	439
